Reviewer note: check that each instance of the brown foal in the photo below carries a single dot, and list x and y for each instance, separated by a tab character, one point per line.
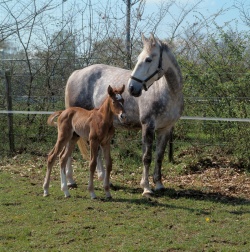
95	126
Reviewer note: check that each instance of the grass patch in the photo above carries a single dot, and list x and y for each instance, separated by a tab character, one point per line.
182	218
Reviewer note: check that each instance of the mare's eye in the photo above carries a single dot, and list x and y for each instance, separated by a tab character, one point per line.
148	60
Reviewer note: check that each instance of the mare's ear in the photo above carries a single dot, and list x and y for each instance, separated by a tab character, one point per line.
110	91
144	40
152	39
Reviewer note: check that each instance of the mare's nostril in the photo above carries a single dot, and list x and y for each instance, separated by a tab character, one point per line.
131	88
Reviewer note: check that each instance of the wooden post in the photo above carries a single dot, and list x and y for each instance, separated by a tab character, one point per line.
9	109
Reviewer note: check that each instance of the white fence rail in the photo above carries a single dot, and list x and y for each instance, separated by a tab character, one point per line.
198	118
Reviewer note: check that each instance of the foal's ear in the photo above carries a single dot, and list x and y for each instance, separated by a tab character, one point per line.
110	91
122	89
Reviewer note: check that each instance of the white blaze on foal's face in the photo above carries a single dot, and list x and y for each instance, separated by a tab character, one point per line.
121	115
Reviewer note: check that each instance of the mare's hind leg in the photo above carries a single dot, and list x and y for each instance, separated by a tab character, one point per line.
161	143
64	155
99	167
69	174
50	162
147	141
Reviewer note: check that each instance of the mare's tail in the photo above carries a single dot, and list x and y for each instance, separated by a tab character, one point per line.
83	146
52	117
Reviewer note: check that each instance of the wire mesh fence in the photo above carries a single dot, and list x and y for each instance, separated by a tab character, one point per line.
33	99
32	135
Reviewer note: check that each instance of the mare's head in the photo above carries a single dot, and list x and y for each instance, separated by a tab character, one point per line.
148	67
117	102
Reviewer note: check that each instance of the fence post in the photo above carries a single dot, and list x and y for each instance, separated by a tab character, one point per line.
9	108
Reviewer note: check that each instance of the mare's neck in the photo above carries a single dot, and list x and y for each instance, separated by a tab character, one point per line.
171	69
106	111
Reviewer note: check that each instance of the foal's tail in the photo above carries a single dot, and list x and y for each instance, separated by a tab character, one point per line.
83	146
52	117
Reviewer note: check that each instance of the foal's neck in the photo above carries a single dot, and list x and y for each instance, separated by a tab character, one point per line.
106	111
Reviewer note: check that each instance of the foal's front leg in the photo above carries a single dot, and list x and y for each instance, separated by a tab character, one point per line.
92	166
108	160
147	142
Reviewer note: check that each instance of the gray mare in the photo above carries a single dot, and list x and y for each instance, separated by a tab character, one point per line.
153	100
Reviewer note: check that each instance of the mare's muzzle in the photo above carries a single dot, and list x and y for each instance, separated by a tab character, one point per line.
134	88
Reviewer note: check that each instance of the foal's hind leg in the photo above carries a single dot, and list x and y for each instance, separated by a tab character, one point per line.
161	143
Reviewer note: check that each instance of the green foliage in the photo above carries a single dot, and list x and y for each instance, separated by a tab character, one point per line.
216	84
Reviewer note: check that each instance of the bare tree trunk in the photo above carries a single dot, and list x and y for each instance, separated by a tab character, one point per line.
128	41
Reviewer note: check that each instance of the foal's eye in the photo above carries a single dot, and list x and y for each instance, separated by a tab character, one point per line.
148	60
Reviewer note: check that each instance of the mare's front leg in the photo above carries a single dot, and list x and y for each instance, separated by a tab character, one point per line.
92	166
108	162
69	170
162	139
147	143
99	167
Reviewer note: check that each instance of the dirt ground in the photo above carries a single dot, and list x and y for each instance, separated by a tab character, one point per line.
218	183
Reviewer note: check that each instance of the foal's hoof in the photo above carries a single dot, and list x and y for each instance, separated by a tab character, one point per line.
72	186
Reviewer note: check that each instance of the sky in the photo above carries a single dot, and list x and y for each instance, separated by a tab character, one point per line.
206	8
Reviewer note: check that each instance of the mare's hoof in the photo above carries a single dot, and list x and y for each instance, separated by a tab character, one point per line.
147	193
159	187
93	196
45	195
72	186
111	186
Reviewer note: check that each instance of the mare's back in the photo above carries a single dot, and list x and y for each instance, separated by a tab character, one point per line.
87	88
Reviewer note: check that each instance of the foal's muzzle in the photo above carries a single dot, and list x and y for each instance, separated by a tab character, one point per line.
122	117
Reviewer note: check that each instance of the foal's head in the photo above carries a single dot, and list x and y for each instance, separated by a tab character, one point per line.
117	102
